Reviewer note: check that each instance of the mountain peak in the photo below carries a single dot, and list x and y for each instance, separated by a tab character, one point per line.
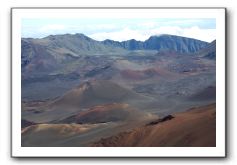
67	35
84	37
168	36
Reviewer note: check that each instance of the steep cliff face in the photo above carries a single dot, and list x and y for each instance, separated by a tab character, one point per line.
162	42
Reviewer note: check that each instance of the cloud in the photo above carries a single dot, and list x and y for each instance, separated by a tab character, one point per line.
201	34
52	27
122	29
143	34
124	34
191	32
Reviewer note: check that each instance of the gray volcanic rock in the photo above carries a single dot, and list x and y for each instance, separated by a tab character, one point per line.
58	63
129	44
174	43
41	56
208	52
162	42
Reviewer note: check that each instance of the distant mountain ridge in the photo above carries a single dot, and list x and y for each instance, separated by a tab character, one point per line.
72	57
209	51
54	50
162	42
80	44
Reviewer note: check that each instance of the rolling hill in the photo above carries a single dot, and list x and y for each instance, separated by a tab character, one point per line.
194	128
113	112
97	92
88	95
77	91
52	134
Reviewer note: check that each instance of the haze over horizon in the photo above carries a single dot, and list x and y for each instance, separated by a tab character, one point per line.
121	29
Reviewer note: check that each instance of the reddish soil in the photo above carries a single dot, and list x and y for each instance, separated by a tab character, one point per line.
193	128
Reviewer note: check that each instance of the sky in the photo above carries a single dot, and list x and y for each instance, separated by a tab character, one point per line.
121	29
